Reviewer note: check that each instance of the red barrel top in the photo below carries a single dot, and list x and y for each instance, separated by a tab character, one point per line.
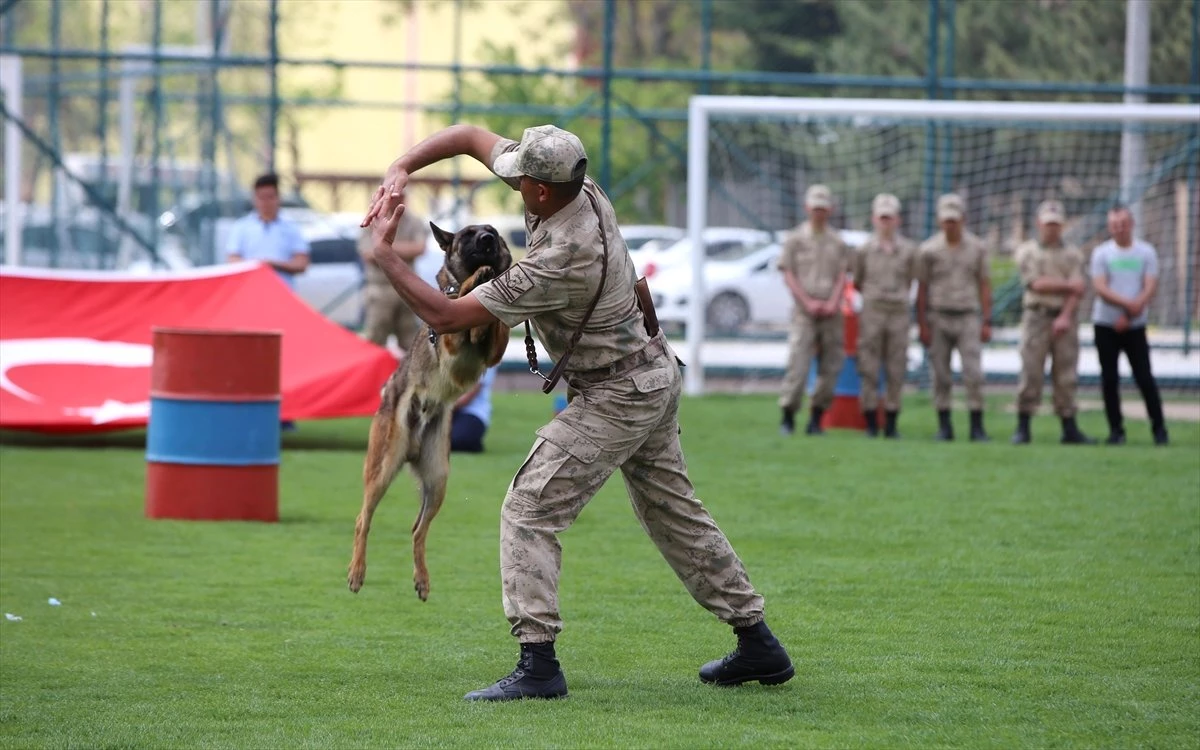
219	365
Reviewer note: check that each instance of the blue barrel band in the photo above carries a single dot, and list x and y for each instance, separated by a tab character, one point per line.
213	433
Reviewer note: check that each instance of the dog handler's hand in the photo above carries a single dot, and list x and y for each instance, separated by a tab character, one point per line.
383	229
394	182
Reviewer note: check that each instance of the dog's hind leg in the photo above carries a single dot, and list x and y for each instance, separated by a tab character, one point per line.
433	469
385	449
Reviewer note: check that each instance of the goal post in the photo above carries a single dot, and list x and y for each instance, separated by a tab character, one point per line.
751	158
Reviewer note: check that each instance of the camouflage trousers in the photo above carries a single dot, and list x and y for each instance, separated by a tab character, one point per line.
882	340
627	421
959	331
1037	340
386	314
823	337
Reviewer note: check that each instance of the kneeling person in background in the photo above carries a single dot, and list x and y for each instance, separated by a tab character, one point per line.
473	415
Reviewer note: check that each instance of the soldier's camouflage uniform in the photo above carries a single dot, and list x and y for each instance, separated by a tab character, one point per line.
1062	263
623	390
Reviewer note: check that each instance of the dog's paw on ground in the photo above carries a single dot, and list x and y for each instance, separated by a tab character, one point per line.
355	578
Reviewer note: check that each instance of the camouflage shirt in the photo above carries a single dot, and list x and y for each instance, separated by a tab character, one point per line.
952	276
885	276
1035	261
412	228
557	279
816	260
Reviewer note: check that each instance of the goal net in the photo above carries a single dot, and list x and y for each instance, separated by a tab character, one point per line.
752	158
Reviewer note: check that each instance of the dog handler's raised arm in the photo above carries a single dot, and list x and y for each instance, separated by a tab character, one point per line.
456	140
443	314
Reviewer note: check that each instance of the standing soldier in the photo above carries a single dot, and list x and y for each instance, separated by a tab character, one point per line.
884	269
1053	277
385	312
814	264
954	310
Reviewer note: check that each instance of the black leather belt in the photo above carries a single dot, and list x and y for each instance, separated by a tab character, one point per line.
630	362
945	311
1044	309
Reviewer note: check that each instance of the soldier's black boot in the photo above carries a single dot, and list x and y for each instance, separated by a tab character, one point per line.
977	433
1022	436
537	675
889	429
945	431
1072	435
788	425
814	422
872	418
758	656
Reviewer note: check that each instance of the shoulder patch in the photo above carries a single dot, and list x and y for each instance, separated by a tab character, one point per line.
513	283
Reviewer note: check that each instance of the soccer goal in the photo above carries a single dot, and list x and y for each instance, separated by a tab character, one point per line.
750	159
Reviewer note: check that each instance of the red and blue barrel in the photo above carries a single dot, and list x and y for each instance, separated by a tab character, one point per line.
212	443
846	410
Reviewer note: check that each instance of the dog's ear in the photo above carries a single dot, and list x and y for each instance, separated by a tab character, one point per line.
444	239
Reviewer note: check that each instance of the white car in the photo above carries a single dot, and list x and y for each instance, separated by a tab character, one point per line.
332	283
742	290
721	243
638	236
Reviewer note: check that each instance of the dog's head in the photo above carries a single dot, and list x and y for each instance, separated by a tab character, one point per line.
468	250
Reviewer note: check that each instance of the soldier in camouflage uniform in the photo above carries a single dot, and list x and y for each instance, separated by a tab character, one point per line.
1053	277
884	269
385	312
954	310
814	262
623	389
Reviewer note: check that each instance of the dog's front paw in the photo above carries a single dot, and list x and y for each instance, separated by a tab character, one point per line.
482	275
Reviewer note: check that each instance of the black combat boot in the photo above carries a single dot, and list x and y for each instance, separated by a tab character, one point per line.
788	425
889	430
814	422
1160	435
1115	437
537	676
1072	435
872	418
758	656
977	433
945	431
1022	436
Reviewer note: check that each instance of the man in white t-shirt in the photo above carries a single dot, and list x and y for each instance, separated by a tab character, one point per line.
1125	276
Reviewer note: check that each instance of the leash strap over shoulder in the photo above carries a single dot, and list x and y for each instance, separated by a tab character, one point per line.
531	352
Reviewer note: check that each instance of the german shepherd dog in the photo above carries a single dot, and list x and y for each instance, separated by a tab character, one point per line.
412	425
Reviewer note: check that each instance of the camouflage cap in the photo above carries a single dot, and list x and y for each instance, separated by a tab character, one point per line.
950	207
1051	212
885	204
546	153
818	196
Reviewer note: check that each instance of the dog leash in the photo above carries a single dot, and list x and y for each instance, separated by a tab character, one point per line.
560	366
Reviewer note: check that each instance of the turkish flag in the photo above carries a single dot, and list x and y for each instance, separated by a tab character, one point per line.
75	346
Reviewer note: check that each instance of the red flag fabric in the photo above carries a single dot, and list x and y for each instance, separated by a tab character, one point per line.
75	346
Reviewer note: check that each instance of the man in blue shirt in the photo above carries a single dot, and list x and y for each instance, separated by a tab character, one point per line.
268	237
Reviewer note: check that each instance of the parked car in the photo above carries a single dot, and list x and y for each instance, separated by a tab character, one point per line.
638	236
332	284
740	289
720	243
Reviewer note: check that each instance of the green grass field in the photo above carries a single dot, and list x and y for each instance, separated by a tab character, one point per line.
930	596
